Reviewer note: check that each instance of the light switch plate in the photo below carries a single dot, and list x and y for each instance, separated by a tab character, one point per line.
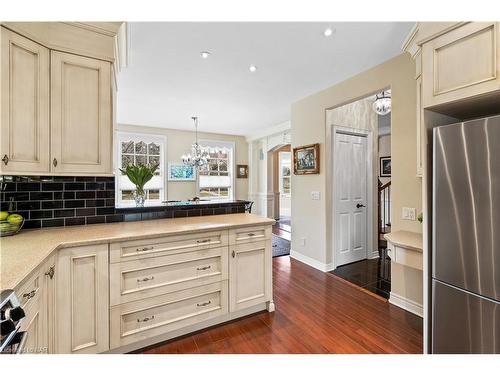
409	213
315	195
302	241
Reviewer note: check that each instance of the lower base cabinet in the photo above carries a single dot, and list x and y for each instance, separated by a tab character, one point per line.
82	300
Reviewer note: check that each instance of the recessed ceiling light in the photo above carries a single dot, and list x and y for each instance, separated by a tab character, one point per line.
328	32
205	54
252	68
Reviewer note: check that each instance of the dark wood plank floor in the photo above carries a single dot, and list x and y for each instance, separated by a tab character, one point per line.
315	313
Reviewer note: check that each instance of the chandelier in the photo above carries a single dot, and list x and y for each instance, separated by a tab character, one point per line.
382	104
198	156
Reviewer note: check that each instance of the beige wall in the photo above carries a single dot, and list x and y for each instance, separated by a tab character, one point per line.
179	142
308	119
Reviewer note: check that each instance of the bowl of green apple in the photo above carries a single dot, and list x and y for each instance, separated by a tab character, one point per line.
10	224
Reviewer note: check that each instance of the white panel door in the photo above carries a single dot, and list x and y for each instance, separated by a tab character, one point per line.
350	183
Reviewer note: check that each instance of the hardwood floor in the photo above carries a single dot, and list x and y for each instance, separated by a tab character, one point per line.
315	313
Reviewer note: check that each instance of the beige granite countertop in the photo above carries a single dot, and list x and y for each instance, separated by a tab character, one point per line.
406	239
22	253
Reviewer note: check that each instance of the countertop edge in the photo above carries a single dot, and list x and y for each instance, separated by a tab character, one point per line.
17	281
393	238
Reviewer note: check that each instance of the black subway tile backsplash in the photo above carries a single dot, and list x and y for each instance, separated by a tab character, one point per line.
53	201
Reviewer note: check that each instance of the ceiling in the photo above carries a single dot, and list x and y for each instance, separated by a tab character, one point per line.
166	80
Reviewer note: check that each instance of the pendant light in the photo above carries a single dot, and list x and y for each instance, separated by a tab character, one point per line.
382	104
198	156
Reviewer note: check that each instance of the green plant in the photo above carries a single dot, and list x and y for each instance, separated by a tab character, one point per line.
139	175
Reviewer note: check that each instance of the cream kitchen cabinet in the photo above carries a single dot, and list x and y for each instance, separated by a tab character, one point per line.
461	63
56	110
81	123
82	300
24	105
36	298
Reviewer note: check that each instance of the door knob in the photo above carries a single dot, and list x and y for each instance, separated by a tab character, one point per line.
359	205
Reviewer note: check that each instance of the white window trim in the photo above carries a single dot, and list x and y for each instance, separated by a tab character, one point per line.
146	137
232	170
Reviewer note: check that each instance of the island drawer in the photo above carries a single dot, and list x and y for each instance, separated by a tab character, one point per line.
143	278
139	320
249	234
153	247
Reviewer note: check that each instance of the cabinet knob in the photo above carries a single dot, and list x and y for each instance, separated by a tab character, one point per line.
54	162
50	272
5	159
233	254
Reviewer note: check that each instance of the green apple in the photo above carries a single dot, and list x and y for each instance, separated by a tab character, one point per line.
15	219
4	215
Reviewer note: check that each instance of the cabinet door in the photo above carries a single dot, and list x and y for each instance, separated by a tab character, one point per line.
250	274
24	105
81	128
82	300
461	63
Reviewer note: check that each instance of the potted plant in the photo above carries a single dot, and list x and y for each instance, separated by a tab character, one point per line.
139	175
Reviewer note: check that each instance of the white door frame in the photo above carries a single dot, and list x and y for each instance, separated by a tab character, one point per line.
369	187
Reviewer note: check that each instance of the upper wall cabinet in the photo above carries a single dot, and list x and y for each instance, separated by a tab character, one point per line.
461	63
81	128
24	105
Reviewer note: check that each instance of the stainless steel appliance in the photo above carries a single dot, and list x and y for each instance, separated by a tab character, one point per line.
12	340
466	237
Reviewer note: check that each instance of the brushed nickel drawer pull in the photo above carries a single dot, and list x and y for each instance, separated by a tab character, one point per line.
145	279
145	319
233	254
30	294
203	304
5	159
203	268
251	234
147	248
203	241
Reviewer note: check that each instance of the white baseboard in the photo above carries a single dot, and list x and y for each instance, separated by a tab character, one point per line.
324	267
407	304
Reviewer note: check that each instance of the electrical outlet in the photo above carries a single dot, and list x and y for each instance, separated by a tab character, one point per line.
409	213
302	241
315	195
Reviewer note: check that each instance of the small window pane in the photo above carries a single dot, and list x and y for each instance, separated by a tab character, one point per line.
154	160
140	160
154	194
127	195
222	165
126	160
286	170
140	148
128	147
224	192
154	149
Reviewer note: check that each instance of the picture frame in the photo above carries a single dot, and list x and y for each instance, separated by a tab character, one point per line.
241	171
181	172
306	159
385	166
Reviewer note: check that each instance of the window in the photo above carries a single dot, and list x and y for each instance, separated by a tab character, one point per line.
215	179
284	172
140	149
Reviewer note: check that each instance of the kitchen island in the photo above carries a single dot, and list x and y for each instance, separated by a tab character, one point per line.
118	287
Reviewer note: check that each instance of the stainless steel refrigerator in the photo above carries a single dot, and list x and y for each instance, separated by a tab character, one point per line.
466	237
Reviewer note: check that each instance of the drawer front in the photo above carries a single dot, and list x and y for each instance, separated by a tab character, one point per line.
154	316
249	234
140	249
29	291
135	280
409	258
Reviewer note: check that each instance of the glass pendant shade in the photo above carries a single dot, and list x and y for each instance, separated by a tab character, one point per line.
382	104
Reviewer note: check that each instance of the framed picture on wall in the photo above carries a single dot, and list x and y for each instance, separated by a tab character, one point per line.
306	159
181	172
385	166
242	171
